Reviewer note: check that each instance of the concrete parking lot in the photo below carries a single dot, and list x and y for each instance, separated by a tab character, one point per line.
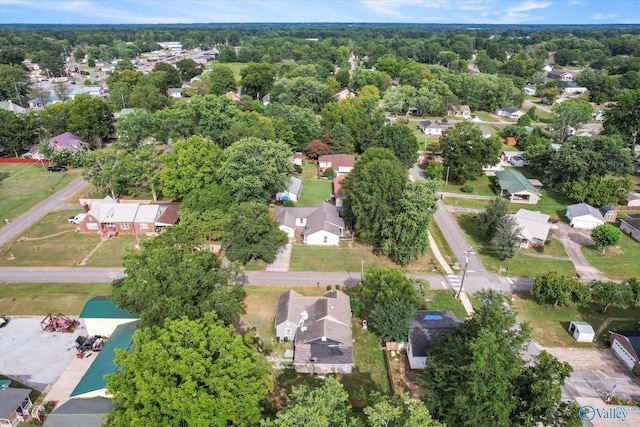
33	356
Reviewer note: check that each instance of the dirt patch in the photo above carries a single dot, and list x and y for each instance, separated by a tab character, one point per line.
405	380
589	358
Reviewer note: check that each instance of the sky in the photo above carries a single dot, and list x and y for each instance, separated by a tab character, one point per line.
588	12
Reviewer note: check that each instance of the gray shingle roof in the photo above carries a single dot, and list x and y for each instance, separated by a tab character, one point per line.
582	209
426	330
81	413
321	216
10	399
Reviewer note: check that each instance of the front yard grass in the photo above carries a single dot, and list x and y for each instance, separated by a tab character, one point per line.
441	242
445	301
486	117
22	186
53	243
315	191
111	252
549	324
482	186
31	299
621	262
526	263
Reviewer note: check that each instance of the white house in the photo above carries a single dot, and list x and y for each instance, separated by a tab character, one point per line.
436	128
510	112
582	215
581	331
529	90
102	317
341	164
319	224
534	227
293	191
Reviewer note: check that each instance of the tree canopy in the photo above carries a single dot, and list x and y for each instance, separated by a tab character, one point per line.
556	289
606	235
382	286
400	140
190	372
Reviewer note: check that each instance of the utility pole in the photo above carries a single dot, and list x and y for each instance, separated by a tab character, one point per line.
466	263
446	181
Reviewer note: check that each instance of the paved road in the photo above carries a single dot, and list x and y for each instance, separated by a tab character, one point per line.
24	221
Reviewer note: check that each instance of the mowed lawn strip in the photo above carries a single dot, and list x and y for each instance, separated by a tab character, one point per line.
31	299
111	251
55	244
315	191
23	186
621	262
549	324
526	263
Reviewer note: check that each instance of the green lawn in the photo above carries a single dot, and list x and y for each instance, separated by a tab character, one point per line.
549	324
620	262
235	67
441	242
486	117
111	252
473	204
369	371
482	186
526	263
29	299
444	301
22	186
315	191
55	244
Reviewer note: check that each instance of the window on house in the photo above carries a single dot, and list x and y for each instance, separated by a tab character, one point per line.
144	226
124	226
287	332
92	226
325	239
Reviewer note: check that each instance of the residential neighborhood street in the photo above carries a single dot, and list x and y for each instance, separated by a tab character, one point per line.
24	221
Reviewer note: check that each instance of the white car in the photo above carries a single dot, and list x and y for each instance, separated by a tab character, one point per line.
76	219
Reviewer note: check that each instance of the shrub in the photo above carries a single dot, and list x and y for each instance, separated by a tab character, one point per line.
329	173
467	188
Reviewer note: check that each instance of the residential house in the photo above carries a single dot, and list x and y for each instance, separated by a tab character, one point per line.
34	153
81	412
297	158
547	68
534	228
486	133
582	215
108	217
319	224
430	127
515	187
93	383
560	75
293	191
626	345
426	328
459	111
86	90
608	213
101	316
491	170
574	89
337	195
320	328
64	141
174	92
42	102
633	199
14	404
14	108
341	164
506	156
529	90
631	226
233	96
344	94
510	112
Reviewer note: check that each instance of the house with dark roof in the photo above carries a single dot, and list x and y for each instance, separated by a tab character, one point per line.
626	345
93	383
582	215
631	226
320	328
560	75
66	141
430	127
341	164
515	187
426	328
81	413
319	224
14	404
293	191
101	316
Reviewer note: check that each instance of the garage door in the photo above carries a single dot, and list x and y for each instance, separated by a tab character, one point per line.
623	354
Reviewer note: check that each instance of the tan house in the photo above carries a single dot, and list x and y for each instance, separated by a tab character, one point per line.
320	328
626	345
515	187
459	111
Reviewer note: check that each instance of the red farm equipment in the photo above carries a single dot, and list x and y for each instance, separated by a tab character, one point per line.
59	323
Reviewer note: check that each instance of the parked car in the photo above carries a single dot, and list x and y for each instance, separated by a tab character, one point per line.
57	168
77	219
3	321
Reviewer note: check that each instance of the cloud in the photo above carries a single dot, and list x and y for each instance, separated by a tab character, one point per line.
600	16
527	6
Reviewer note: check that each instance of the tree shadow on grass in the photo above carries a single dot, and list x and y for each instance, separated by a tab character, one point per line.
3	176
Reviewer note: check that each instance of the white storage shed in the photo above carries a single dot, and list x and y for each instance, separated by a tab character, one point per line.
581	331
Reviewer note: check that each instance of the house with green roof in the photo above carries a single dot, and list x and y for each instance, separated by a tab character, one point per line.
94	383
101	316
517	188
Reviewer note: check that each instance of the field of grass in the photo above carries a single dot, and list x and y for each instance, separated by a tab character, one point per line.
482	186
526	263
549	324
29	299
473	204
444	301
369	373
111	252
315	191
235	67
53	243
23	186
620	262
486	117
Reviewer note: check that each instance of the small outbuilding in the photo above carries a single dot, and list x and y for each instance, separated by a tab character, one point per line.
581	331
582	215
102	317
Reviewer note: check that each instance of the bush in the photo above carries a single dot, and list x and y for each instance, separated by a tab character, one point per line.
356	306
467	188
329	173
434	170
297	168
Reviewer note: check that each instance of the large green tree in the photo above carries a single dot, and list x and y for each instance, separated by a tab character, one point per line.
91	119
251	233
570	114
256	169
606	235
483	358
465	151
372	192
17	133
507	238
305	92
559	290
15	83
189	373
257	79
191	164
489	220
392	320
607	293
405	236
382	286
134	128
175	275
222	80
623	117
400	140
340	140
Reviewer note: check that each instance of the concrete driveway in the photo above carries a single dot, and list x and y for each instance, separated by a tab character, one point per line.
33	356
573	240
